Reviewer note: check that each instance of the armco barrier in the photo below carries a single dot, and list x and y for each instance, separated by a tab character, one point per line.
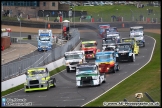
56	25
22	78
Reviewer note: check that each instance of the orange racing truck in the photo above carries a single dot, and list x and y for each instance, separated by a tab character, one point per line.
106	62
90	48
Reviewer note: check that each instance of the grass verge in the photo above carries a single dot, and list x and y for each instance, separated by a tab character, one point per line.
145	80
57	70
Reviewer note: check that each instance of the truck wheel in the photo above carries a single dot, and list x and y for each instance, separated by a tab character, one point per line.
114	70
132	59
99	83
118	68
47	86
67	69
117	59
143	44
54	82
104	78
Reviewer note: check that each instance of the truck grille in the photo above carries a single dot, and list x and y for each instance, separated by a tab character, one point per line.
34	82
123	55
35	86
73	63
88	52
86	80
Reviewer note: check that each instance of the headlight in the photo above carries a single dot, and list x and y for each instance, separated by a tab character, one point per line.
80	62
96	63
94	77
43	78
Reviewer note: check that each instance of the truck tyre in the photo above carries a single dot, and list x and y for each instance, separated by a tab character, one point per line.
67	69
99	83
143	44
114	70
117	59
117	67
131	59
47	86
104	78
54	82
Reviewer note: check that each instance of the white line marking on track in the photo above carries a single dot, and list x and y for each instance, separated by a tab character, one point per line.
126	77
43	96
9	52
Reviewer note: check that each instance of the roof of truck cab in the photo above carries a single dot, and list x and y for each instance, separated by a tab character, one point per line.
105	52
88	42
37	68
86	64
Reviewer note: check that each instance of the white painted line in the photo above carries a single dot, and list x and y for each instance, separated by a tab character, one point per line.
126	77
9	52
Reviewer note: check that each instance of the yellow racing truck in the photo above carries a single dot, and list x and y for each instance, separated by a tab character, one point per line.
38	78
133	43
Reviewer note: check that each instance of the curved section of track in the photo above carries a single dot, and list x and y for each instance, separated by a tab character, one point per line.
67	94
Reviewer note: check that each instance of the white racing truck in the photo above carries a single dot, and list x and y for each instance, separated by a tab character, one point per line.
72	58
137	32
87	74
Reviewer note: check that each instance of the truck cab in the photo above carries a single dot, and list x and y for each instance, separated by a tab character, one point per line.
125	52
102	29
45	40
137	32
109	41
133	42
38	78
73	58
106	61
90	49
87	74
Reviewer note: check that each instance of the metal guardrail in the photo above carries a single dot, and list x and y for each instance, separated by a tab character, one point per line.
19	67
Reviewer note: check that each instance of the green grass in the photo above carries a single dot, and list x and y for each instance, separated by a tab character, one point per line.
11	18
123	10
57	70
145	80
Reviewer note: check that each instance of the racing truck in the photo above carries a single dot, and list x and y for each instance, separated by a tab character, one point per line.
72	58
134	46
87	74
109	41
125	52
138	33
106	61
45	40
90	48
38	78
102	29
114	34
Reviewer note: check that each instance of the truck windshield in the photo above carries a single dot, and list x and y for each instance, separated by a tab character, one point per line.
137	30
124	47
109	41
36	72
128	40
104	57
76	56
88	69
44	38
89	45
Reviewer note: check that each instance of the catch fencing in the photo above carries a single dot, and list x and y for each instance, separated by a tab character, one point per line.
17	68
120	16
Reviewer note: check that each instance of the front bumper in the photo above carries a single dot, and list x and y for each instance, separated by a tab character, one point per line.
90	56
34	87
44	49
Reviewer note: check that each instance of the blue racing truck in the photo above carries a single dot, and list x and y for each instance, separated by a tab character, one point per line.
45	40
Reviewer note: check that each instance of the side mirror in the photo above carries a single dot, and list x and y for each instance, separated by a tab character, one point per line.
26	73
116	50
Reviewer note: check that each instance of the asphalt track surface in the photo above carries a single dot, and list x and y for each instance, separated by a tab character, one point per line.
33	41
67	94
